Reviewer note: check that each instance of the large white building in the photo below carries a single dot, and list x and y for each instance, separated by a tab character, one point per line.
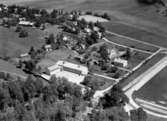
72	72
26	23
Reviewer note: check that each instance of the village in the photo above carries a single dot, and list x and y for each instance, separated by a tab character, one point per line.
79	39
76	56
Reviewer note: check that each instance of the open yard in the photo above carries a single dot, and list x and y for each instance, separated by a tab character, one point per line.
12	45
98	83
52	57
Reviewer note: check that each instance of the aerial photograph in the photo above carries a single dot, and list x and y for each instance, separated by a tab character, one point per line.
83	60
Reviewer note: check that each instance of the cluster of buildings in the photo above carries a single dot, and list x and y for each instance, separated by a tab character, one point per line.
115	56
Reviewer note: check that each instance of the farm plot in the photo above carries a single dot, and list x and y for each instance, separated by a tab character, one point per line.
142	35
131	44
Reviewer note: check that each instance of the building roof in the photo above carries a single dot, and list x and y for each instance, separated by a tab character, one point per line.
66	64
72	72
26	23
91	18
121	61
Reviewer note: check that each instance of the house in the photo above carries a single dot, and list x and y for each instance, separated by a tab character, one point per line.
114	53
87	30
26	23
48	48
72	72
24	57
120	61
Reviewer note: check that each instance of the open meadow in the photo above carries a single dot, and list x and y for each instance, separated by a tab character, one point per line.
12	45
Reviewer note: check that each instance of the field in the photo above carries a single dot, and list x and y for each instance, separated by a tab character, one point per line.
12	45
7	67
149	91
143	68
132	44
136	33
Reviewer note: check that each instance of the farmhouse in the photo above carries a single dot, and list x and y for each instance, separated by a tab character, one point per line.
121	62
26	23
90	18
114	53
48	47
73	72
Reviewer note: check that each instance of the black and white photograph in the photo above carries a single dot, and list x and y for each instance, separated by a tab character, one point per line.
83	60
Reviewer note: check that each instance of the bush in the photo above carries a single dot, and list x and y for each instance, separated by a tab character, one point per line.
23	33
149	1
106	16
18	29
88	13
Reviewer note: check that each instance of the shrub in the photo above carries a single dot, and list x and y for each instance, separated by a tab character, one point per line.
18	29
23	33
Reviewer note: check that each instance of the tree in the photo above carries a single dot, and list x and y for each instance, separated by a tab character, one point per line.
29	89
50	39
44	13
15	91
54	13
18	29
103	52
91	25
127	55
149	2
32	52
138	115
23	34
112	69
94	35
4	96
115	97
29	66
106	16
116	114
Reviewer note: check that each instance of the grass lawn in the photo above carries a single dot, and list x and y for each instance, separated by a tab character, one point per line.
7	67
130	43
136	33
52	29
52	57
100	82
12	45
153	118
